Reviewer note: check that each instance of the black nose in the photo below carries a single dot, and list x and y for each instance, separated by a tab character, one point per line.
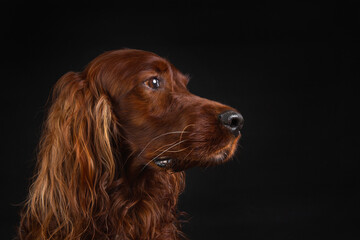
233	121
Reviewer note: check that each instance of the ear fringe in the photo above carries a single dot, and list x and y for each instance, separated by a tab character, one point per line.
75	163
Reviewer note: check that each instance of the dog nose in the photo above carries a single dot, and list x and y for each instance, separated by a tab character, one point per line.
234	121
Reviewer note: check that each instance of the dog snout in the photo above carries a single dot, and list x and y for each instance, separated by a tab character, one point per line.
233	121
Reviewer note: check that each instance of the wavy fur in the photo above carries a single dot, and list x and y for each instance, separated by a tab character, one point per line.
94	179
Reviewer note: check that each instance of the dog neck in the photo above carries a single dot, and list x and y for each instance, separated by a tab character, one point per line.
147	208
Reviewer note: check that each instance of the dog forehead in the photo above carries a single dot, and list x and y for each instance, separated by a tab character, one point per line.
144	69
120	71
141	68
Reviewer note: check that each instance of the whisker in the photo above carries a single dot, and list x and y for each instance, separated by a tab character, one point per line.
174	145
171	144
183	149
168	149
184	130
188	154
128	157
164	146
164	134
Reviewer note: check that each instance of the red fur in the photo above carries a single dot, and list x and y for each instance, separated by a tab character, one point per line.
97	177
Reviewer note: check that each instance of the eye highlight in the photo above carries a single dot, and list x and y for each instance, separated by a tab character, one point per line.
153	83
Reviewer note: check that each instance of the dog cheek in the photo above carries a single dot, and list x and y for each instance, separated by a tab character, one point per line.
125	109
162	106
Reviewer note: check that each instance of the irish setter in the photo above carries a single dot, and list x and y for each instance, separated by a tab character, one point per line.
114	148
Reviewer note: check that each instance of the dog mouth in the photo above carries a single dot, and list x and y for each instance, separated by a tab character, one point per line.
164	162
217	158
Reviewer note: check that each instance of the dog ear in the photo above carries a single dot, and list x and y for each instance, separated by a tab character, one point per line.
75	161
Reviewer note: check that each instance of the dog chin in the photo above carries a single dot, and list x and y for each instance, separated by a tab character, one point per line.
221	157
224	154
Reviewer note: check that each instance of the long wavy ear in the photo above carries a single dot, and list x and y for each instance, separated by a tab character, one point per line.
75	163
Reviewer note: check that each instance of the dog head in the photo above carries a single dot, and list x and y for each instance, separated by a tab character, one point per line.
162	124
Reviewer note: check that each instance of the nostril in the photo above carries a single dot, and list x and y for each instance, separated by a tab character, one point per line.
232	120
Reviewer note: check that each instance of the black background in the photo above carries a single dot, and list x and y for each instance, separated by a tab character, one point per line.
289	67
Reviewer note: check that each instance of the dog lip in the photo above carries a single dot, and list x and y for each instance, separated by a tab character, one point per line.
163	162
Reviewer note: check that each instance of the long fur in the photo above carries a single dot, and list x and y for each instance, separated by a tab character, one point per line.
75	187
85	186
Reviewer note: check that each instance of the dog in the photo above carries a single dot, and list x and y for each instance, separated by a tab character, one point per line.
115	144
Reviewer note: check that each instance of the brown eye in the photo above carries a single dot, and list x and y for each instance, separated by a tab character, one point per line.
152	83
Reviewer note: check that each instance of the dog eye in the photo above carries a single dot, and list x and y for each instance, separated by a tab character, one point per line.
153	83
